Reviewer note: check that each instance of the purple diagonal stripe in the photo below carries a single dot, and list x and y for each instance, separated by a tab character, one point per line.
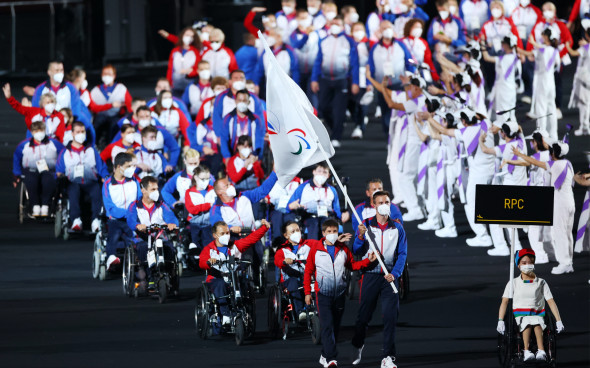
422	174
511	68
440	191
401	152
474	143
552	60
561	178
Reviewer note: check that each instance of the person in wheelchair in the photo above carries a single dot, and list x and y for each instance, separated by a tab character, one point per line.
150	162
173	192
528	305
219	250
278	198
34	159
198	201
367	209
150	210
288	260
318	201
390	238
118	193
81	164
244	168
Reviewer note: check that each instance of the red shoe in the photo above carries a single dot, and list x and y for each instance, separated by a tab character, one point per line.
112	262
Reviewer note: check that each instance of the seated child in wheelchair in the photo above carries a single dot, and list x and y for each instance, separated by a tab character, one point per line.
150	210
35	160
528	304
219	250
290	260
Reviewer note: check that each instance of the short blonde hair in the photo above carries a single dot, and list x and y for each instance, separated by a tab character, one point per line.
49	96
216	32
192	153
497	2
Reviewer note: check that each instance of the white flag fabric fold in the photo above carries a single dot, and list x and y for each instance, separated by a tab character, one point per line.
294	131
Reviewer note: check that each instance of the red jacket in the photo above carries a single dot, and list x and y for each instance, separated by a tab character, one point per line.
182	122
564	37
93	106
192	208
241	245
107	153
31	112
171	62
238	176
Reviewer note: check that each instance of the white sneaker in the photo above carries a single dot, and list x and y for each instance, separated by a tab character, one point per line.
528	355
357	133
499	251
562	268
579	132
226	320
302	316
113	260
36	210
388	363
332	364
413	215
77	224
429	225
356	354
192	246
378	112
541	354
45	210
446	232
526	99
480	241
530	115
541	258
95	225
336	143
323	361
559	114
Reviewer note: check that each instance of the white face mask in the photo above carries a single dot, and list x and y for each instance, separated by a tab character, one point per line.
332	238
525	3
527	268
354	17
496	13
202	184
452	9
288	9
548	14
80	138
204	36
187	40
128	173
417	32
335	29
239	85
388	33
144	122
166	103
49	108
245	152
403	8
444	14
359	35
151	145
224	239
384	209
320	179
330	15
84	84
306	23
242	106
295	237
215	45
205	74
154	196
231	191
190	169
39	136
108	79
130	138
58	77
312	10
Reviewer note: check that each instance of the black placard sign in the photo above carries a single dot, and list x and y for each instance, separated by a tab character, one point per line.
513	205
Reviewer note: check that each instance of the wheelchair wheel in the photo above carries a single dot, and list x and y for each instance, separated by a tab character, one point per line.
275	319
162	291
316	336
58	224
240	331
202	313
251	310
96	256
22	205
550	338
507	343
404	283
128	275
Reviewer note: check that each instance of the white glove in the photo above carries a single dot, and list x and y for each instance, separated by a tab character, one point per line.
501	327
560	327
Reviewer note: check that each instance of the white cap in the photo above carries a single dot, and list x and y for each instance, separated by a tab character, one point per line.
470	114
512	40
513	125
565	148
421	81
474	45
474	64
586	23
466	79
543	133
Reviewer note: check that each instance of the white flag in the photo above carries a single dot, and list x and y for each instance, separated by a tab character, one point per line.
295	133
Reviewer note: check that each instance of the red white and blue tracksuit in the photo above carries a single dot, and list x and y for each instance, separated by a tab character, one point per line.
244	177
85	179
54	123
366	211
198	204
328	265
201	134
392	244
225	103
112	150
40	185
176	102
222	61
291	276
154	159
194	95
286	58
102	95
215	272
66	95
177	186
179	59
235	126
117	197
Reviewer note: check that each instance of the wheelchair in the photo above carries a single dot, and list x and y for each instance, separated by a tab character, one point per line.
282	318
261	281
241	303
164	280
99	253
24	207
62	216
511	344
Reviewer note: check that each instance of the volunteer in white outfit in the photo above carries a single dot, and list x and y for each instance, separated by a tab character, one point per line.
509	175
583	231
480	165
580	96
547	63
562	176
507	83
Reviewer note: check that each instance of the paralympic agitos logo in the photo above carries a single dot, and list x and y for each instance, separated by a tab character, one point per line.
274	128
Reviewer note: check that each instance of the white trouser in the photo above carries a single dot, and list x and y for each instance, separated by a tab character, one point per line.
548	123
475	178
561	232
432	200
536	240
498	236
407	178
393	158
